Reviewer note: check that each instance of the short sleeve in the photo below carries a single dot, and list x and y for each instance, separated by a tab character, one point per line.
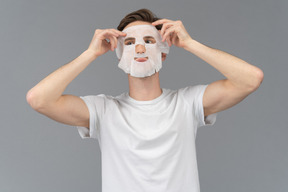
199	109
95	105
194	96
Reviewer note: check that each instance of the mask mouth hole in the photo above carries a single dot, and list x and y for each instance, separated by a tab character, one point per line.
141	59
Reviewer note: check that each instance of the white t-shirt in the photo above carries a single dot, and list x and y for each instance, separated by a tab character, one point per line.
148	146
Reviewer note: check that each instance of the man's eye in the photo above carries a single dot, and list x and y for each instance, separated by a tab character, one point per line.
148	41
129	43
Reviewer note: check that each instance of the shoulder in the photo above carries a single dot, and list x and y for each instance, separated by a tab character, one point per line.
102	97
100	103
191	91
94	98
100	100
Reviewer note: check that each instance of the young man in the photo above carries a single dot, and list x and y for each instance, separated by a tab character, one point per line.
146	136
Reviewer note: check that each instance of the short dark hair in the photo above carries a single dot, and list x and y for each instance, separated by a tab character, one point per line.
139	15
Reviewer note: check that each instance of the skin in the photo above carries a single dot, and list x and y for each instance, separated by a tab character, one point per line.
241	80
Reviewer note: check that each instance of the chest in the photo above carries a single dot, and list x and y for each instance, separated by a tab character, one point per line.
152	131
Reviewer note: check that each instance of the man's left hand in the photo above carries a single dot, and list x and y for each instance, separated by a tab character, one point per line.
174	32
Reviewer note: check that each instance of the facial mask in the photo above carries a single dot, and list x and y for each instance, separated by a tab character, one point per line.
147	41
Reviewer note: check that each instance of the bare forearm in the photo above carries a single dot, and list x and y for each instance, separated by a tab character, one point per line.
52	87
239	72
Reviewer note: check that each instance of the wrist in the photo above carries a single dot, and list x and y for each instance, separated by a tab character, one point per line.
90	54
189	44
192	46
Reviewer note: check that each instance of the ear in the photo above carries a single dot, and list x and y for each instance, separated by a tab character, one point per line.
163	56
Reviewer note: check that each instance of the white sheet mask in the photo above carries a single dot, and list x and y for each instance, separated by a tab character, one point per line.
151	51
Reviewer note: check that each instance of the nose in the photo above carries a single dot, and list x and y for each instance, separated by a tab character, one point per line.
139	49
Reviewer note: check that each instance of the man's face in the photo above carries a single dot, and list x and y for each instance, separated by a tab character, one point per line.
140	51
140	48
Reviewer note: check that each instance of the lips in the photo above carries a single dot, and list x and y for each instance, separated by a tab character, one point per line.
141	59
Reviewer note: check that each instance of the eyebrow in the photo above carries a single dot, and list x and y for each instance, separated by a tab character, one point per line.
129	38
149	37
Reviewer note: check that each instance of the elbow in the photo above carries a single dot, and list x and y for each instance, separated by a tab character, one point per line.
258	77
34	101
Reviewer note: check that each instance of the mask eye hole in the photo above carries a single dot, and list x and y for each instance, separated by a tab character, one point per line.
129	41
149	40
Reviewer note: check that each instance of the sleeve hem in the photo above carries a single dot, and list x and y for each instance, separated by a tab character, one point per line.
85	132
205	120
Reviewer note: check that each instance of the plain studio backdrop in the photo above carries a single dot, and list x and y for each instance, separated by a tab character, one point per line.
245	151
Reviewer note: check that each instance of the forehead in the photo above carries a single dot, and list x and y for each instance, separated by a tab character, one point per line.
137	23
141	31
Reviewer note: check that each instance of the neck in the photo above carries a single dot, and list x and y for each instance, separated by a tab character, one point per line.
144	89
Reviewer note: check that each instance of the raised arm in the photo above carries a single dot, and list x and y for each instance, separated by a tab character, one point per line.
47	96
242	77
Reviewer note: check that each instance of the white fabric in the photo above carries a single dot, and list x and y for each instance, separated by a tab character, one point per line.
127	53
148	146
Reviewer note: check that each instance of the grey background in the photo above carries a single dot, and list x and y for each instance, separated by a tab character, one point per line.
246	150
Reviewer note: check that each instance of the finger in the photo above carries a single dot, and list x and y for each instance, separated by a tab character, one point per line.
112	33
120	33
161	21
111	45
174	39
105	35
165	26
169	41
113	42
167	33
110	42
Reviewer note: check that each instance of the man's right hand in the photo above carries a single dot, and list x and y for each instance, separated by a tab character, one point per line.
104	40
